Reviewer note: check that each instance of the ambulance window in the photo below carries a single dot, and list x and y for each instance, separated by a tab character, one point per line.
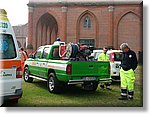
7	47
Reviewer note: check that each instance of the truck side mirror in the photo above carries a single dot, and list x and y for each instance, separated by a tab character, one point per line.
32	56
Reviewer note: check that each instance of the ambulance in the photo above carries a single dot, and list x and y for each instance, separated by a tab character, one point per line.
10	63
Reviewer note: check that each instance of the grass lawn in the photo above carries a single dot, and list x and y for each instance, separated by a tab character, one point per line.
36	94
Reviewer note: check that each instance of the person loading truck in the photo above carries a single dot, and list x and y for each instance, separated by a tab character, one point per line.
104	57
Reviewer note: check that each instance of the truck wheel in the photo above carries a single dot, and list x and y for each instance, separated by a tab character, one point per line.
54	86
26	75
90	86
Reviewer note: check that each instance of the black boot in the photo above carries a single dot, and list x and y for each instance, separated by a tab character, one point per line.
123	98
130	95
123	95
108	86
102	86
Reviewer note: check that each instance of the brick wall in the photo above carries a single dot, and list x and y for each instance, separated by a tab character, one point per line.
123	24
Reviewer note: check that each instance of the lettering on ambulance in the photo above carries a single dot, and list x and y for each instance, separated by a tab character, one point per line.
3	25
2	73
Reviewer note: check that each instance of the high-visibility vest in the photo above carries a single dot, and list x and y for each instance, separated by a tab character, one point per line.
103	57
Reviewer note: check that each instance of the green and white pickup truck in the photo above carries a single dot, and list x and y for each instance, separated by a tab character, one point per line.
47	65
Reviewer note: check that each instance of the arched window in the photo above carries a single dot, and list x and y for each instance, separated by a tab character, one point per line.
87	22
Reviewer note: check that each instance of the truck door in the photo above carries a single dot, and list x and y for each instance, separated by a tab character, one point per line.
34	67
42	62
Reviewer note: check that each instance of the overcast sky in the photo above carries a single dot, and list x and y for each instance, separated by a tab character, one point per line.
17	10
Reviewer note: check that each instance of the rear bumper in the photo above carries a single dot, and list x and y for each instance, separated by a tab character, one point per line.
81	81
107	80
115	78
16	95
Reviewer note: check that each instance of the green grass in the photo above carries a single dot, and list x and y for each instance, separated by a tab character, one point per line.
37	94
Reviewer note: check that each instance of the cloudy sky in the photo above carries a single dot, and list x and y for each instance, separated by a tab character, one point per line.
17	10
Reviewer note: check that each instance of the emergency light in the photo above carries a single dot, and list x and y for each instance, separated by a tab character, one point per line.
3	12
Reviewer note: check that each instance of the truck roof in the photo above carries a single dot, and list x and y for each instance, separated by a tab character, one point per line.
108	51
54	44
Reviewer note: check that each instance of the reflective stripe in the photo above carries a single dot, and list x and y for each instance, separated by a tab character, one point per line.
47	65
57	66
4	18
123	94
130	96
10	63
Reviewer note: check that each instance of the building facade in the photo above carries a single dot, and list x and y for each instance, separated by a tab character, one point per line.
21	32
98	23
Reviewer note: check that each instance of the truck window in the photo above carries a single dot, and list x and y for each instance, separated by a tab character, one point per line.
38	53
45	52
7	47
56	53
97	55
118	56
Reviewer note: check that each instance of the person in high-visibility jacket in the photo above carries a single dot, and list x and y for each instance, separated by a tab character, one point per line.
128	65
104	57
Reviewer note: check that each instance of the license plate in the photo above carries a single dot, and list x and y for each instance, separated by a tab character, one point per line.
89	78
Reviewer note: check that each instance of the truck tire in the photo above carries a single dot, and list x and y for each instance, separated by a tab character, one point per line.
90	86
54	86
26	75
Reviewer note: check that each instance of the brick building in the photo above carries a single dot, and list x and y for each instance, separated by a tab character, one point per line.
93	22
21	32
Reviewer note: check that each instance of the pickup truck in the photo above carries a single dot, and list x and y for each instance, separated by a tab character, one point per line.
47	65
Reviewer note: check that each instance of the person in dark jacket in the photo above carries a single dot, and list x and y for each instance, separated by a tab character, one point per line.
128	65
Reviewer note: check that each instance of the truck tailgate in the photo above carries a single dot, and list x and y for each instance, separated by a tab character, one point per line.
92	68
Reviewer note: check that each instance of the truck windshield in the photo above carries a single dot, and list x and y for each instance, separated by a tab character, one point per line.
118	56
7	47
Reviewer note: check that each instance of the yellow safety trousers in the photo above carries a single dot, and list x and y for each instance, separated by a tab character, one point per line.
127	79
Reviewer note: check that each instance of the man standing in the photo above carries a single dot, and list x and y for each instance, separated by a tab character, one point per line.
23	58
128	65
104	57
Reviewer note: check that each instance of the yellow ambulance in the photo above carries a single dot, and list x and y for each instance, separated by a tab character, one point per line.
10	63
